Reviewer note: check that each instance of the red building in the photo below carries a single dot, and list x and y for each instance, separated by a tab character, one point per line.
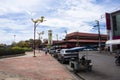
81	39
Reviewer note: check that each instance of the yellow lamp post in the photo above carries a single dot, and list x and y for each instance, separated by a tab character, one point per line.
39	34
36	22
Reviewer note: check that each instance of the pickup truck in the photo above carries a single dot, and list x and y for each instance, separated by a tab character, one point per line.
68	54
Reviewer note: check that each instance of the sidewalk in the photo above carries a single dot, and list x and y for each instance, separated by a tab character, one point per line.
27	67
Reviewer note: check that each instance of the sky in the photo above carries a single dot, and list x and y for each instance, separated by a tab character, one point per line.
60	16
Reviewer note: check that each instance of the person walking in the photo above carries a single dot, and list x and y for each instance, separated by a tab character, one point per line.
46	51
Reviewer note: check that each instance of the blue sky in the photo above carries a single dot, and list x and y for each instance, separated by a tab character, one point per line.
61	15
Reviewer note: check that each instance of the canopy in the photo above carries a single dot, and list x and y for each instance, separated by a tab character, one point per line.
75	49
117	41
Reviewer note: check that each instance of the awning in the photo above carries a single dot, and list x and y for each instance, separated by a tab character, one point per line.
117	41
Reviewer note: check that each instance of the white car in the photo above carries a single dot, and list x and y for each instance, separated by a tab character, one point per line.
66	55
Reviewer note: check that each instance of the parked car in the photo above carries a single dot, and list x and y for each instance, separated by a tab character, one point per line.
67	55
57	51
51	51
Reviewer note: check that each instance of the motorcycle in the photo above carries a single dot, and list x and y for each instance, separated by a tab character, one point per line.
117	61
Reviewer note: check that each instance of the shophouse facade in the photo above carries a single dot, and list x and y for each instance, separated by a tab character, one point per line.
113	29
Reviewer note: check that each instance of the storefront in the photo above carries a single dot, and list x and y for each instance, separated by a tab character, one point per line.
113	28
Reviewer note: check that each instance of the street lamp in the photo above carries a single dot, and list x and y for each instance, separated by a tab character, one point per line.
65	32
99	36
36	22
40	33
57	36
14	38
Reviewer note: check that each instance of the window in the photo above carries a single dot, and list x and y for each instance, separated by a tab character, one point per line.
116	25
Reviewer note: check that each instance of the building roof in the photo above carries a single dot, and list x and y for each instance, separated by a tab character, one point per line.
84	34
74	40
116	12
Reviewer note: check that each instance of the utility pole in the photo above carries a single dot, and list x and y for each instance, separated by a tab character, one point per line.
66	43
99	36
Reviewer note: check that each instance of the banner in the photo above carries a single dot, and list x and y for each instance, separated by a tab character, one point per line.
108	21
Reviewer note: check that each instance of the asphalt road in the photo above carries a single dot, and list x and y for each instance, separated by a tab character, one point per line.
104	67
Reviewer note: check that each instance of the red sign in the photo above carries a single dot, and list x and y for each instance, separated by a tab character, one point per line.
108	24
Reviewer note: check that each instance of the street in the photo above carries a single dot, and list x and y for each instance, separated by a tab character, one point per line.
104	67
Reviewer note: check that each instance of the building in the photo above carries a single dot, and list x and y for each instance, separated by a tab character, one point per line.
81	39
50	41
113	29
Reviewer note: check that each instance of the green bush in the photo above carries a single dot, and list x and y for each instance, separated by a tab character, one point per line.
27	49
17	50
13	50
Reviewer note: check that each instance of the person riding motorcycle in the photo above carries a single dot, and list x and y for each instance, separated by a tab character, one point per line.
117	61
83	60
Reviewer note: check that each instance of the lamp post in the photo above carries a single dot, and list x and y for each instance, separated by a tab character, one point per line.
40	33
99	36
57	36
36	22
65	32
14	38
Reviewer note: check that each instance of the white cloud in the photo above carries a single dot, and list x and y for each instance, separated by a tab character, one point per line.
17	6
74	15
